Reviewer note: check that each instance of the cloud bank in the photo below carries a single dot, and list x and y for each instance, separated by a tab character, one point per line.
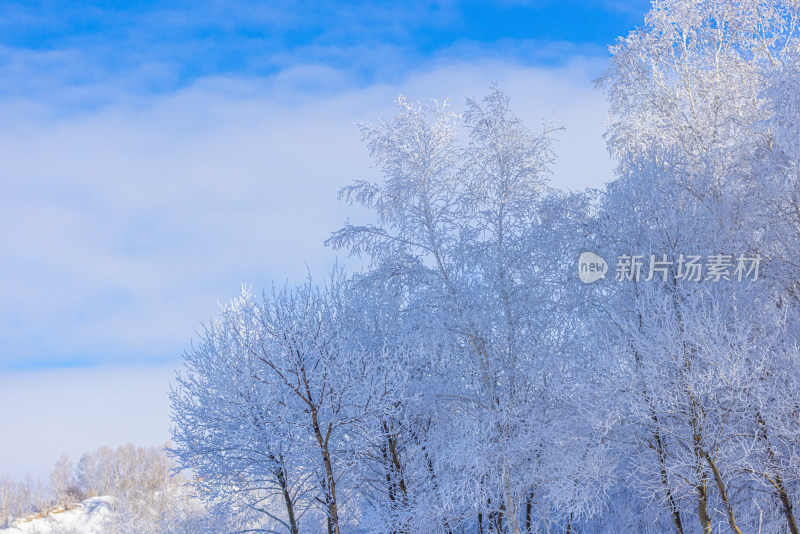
147	173
123	227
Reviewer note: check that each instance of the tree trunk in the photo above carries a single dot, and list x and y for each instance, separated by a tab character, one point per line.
432	473
723	494
509	507
329	483
390	485
777	479
662	468
787	504
529	513
661	454
702	474
498	520
397	468
702	509
395	481
287	500
333	512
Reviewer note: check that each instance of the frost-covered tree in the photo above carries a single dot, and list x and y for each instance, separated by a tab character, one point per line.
63	483
19	499
466	381
466	223
224	427
269	403
693	130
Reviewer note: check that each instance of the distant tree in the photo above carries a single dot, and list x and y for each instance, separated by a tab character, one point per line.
62	482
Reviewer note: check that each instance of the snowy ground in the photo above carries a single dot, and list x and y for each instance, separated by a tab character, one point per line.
87	517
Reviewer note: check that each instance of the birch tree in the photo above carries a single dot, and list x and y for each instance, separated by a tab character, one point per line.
461	222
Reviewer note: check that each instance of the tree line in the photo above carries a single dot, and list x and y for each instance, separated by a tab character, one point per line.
144	490
468	381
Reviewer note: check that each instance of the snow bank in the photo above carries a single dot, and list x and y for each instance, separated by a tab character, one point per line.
87	517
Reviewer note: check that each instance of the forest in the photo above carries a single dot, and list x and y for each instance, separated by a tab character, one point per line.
469	381
514	358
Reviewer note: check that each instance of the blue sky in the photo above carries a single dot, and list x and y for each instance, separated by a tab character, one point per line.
163	46
156	155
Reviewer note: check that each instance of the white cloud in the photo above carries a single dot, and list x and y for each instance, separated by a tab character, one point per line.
121	227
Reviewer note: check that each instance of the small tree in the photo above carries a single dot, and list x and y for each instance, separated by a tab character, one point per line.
63	482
